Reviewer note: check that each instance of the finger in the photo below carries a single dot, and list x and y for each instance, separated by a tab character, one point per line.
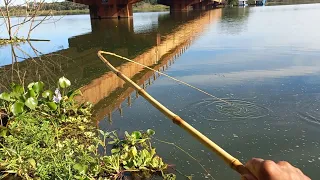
254	166
302	174
284	164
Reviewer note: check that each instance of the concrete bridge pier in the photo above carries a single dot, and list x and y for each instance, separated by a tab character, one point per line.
202	5
110	11
100	9
186	5
180	6
198	7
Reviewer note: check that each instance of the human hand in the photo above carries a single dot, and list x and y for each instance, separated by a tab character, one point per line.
269	170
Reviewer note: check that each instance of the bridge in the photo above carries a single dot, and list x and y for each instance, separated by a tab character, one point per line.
123	8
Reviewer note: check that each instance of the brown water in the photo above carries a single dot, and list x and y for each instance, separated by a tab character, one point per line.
264	60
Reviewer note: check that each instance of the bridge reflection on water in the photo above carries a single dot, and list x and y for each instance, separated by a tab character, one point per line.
108	91
158	47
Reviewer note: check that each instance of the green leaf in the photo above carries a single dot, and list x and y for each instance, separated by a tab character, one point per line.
125	147
134	151
141	140
6	96
17	108
124	156
79	167
38	87
78	177
143	168
136	134
3	131
32	163
126	134
47	94
64	82
153	152
31	103
101	132
151	132
112	142
31	93
17	90
30	85
144	153
73	94
113	151
53	106
155	163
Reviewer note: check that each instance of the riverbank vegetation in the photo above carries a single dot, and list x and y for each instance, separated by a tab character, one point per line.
149	6
49	135
70	8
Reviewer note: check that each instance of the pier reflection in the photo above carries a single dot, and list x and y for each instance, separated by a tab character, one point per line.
158	47
109	92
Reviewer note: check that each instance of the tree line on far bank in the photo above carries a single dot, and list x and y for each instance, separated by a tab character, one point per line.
67	5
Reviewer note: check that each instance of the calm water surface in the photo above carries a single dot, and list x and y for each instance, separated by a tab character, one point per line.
265	61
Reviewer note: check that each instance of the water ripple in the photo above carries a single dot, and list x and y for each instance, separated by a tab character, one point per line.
215	110
309	111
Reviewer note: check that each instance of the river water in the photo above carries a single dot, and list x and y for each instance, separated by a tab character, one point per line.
264	61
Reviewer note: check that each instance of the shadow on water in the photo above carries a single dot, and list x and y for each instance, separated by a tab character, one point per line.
34	66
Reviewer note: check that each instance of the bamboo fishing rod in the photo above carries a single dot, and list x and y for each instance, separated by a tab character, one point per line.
233	162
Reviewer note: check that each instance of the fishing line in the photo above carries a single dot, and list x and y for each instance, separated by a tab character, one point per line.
172	78
188	154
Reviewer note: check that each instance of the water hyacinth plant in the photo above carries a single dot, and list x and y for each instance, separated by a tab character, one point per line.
57	96
49	135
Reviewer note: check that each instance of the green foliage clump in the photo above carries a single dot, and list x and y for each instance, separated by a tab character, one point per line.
48	135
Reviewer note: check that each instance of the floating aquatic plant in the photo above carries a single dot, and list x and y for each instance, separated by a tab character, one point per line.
49	135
